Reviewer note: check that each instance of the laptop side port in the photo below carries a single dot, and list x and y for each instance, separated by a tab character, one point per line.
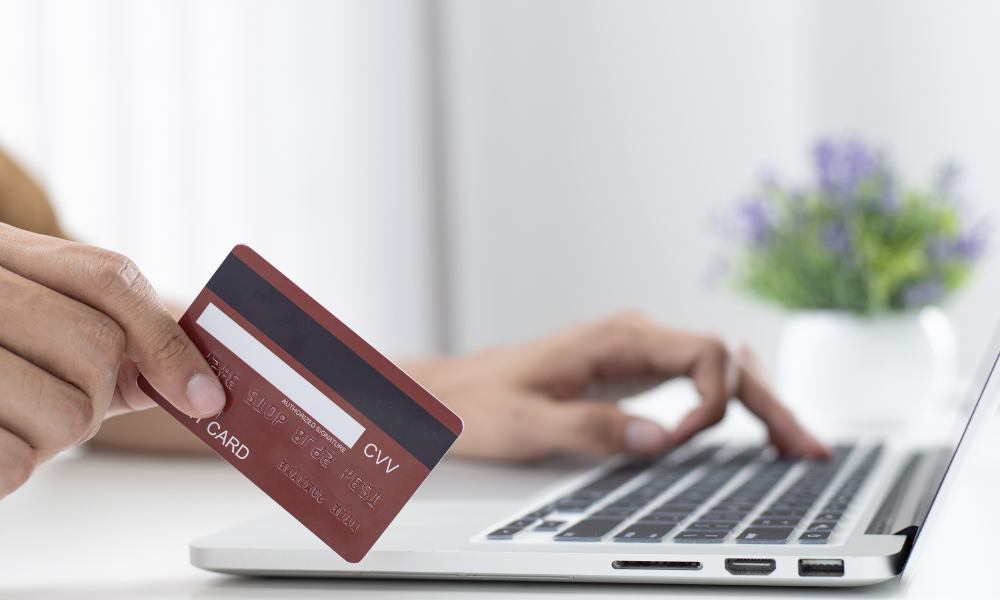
821	567
750	566
662	565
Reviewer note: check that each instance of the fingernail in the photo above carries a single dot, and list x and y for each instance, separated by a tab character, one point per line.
644	437
205	395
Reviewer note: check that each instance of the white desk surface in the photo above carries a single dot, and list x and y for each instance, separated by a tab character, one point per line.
94	525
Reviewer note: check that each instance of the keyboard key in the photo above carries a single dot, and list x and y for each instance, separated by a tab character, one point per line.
521	523
549	525
784	512
662	518
742	499
539	514
630	502
765	535
504	533
664	483
647	491
616	478
701	537
672	507
829	516
723	516
776	522
801	504
692	498
589	530
713	525
814	537
573	505
614	511
699	458
669	510
799	498
733	507
822	526
644	532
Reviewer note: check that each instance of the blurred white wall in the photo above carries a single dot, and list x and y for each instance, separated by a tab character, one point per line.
172	130
590	142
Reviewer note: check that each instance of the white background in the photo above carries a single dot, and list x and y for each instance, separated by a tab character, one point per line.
578	148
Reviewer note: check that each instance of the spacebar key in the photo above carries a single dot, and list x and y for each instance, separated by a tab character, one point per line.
589	530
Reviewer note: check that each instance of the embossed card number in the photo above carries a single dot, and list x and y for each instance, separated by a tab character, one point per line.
319	420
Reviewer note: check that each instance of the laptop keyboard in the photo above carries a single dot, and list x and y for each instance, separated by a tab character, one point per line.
665	517
591	519
825	521
782	516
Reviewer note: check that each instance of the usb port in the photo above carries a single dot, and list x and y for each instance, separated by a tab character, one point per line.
821	567
750	566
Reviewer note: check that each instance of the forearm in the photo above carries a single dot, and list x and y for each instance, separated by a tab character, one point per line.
23	204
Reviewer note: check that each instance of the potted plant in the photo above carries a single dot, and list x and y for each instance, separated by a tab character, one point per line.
862	263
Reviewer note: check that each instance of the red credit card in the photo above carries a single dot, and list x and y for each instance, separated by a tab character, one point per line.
318	419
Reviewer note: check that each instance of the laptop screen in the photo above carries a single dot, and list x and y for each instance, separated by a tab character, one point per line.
976	405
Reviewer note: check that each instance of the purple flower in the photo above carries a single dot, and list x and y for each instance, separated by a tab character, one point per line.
836	238
751	221
754	219
967	247
923	294
971	244
841	165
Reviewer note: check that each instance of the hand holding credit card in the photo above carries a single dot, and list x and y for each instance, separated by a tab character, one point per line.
319	420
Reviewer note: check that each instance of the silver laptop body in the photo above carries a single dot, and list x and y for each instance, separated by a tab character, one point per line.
711	512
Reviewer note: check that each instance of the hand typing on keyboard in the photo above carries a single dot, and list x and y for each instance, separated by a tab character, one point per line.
527	401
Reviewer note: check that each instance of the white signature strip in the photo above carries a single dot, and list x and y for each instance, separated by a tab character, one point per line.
280	375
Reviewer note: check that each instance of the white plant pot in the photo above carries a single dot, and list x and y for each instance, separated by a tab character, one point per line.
840	372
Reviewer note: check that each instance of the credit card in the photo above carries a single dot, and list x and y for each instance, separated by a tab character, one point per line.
319	420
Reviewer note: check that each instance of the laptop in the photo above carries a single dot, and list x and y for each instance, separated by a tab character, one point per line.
715	511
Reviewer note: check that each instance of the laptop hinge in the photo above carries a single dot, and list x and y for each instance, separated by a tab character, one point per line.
906	505
888	514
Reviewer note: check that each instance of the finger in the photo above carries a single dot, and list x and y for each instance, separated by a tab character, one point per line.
61	336
128	396
113	285
611	357
49	414
71	341
630	347
708	373
17	462
595	428
786	434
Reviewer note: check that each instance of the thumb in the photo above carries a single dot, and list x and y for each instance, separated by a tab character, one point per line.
112	284
597	428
